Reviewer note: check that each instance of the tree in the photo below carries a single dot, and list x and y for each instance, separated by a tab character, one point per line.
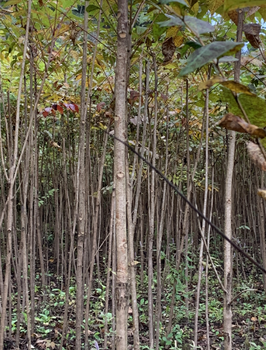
121	74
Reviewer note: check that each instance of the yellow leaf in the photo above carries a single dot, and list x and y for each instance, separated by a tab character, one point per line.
262	12
195	8
214	5
209	83
74	54
178	40
177	10
234	4
171	32
236	87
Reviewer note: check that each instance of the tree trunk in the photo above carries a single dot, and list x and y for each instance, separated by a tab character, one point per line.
120	176
227	313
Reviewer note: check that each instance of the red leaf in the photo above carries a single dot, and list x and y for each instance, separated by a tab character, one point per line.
76	108
100	106
72	107
60	109
45	114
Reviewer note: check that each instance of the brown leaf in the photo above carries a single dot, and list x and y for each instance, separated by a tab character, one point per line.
100	106
252	28
250	60
133	96
233	122
253	129
168	49
253	40
252	33
233	16
256	155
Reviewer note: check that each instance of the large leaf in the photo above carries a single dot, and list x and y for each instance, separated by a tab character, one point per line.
234	4
254	106
197	25
206	54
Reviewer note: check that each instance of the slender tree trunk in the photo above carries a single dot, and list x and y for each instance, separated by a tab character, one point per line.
12	177
120	176
152	216
81	188
203	221
227	313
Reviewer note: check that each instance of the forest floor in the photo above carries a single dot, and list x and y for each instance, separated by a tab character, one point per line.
249	317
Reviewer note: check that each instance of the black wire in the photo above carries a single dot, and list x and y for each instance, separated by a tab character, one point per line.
190	204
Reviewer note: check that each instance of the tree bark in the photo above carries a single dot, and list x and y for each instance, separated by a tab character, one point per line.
121	290
227	312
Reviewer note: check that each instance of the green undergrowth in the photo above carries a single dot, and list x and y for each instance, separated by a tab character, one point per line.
248	306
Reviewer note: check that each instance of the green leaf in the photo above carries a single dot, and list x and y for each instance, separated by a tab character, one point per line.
12	2
228	59
194	44
182	2
234	4
206	54
254	106
91	8
173	21
199	26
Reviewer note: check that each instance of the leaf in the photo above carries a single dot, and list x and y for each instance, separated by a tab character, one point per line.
182	2
234	4
195	24
194	44
100	106
253	130
247	59
12	2
74	107
214	5
233	122
236	87
168	49
178	40
228	59
198	26
172	32
252	28
233	15
91	8
256	155
206	54
209	83
173	21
